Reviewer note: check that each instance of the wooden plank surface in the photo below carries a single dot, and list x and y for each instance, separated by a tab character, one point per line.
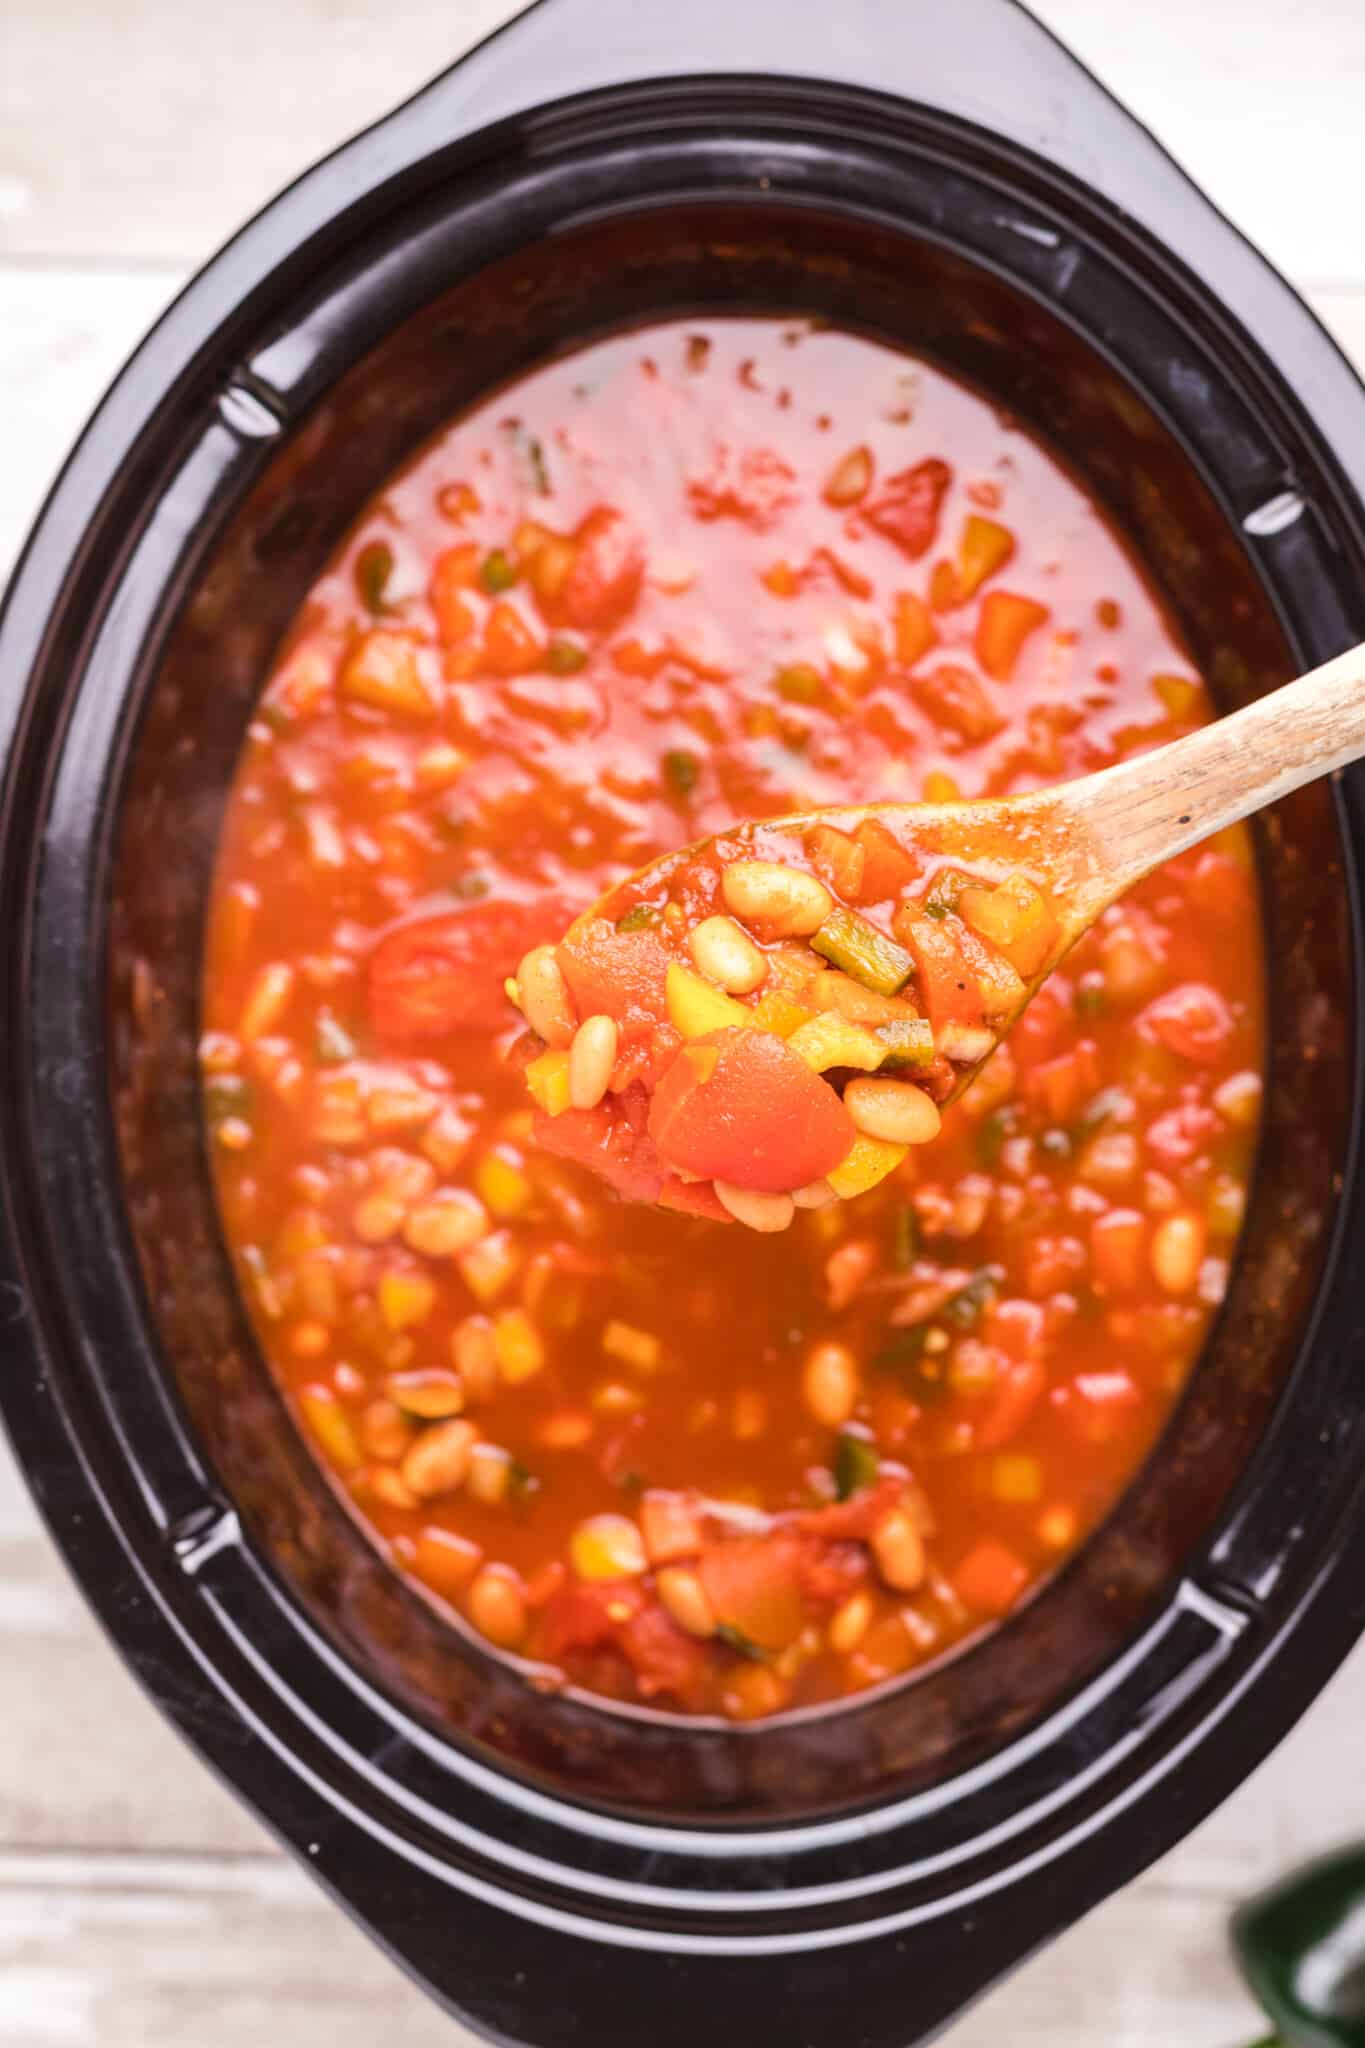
138	1904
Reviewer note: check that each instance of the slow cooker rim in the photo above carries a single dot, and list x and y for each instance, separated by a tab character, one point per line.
785	1834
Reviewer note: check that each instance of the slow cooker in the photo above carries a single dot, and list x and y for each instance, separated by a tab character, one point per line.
552	1870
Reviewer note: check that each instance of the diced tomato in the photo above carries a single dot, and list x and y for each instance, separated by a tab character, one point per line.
1018	1392
1193	1020
888	870
754	1585
664	1659
453	573
510	648
960	980
1004	625
985	546
1060	1087
753	485
609	1145
907	509
670	1525
1044	1023
831	1571
852	1521
604	581
1017	1326
1177	1134
579	1616
839	859
693	1198
436	975
958	703
760	1118
1118	1242
1052	1263
990	1578
915	630
615	974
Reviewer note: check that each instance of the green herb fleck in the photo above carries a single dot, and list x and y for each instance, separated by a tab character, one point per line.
565	657
904	1240
498	571
640	917
947	886
856	1465
682	770
521	1481
992	1133
535	455
742	1645
1090	998
470	887
967	1304
333	1042
373	568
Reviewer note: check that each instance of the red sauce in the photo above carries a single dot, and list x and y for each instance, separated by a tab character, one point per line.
609	612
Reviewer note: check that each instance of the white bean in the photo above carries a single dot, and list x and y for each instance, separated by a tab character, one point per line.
829	1383
759	1211
727	955
787	902
899	1550
896	1111
543	994
591	1059
816	1194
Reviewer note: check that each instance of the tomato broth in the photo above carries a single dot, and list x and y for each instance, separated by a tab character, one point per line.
701	572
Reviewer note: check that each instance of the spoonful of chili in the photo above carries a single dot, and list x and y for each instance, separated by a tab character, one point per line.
769	1019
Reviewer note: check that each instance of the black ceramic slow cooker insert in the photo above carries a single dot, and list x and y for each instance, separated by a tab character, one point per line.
557	1871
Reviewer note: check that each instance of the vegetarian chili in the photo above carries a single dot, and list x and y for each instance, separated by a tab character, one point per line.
699	572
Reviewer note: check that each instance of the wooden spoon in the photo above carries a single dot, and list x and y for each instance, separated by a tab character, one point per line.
1083	844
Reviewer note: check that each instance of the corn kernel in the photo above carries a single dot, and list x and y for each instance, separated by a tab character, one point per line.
488	1267
406	1299
516	1342
607	1547
503	1184
638	1348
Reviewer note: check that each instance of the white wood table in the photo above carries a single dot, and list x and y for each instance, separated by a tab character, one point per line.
139	1907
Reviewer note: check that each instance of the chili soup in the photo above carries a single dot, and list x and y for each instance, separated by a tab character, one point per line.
698	573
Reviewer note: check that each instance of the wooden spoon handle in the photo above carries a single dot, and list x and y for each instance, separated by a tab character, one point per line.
1126	820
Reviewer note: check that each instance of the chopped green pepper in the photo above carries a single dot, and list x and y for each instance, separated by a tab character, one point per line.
639	917
856	1465
945	890
992	1133
905	1240
904	1359
373	568
498	571
849	942
742	1645
967	1304
333	1041
565	657
909	1041
1301	1948
682	770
